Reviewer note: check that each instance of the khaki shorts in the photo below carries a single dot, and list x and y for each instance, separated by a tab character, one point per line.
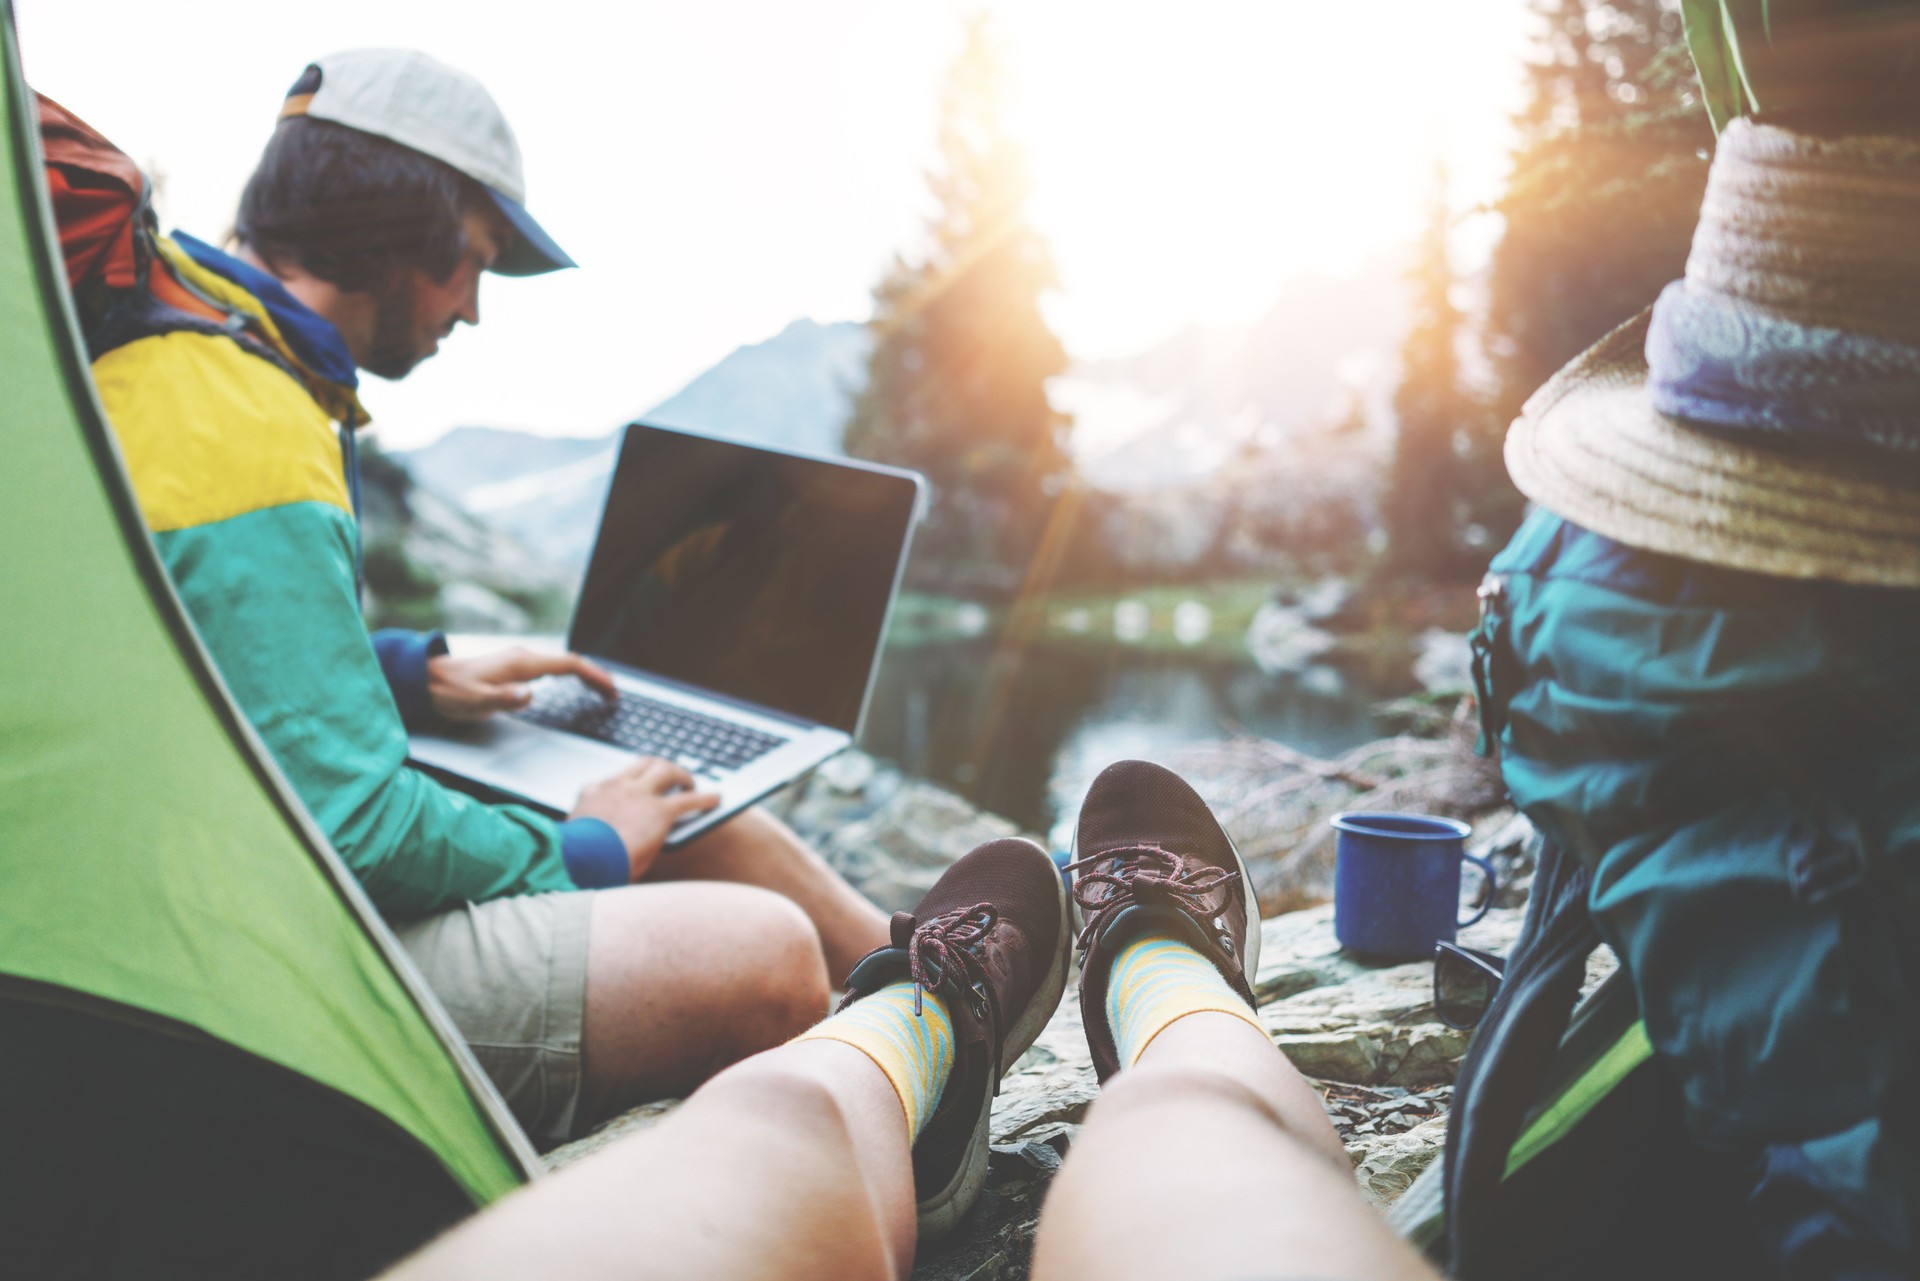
512	973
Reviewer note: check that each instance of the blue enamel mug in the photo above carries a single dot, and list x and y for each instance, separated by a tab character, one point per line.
1396	883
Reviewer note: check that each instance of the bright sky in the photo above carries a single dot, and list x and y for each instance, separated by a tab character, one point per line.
722	167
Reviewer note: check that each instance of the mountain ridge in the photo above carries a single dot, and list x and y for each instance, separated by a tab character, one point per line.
791	391
1168	418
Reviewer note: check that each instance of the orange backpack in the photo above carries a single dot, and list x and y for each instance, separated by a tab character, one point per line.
107	226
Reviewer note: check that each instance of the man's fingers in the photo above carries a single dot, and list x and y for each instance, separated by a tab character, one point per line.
508	698
524	664
673	776
649	766
634	773
598	678
692	802
660	777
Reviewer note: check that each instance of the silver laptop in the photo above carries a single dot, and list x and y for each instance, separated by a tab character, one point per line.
740	597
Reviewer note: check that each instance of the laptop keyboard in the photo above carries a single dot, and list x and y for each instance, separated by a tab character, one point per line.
648	726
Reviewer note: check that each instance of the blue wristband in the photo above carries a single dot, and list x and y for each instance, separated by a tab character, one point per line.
595	856
403	659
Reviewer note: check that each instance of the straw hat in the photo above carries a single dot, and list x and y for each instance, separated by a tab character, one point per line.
1822	233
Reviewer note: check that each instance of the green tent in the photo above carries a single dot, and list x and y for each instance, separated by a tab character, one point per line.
214	1060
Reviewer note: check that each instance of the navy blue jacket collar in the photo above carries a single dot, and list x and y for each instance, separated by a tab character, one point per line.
311	335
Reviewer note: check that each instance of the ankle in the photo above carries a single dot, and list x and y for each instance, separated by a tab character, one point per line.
1159	980
907	1034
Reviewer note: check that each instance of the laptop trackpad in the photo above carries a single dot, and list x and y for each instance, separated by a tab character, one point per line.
552	768
540	764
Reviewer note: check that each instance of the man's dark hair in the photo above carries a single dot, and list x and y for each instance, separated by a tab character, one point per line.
352	208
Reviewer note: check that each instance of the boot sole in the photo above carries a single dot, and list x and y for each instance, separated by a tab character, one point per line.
939	1213
1250	963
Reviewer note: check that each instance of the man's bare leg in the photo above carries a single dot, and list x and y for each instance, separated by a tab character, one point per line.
683	980
755	848
1227	1167
792	1164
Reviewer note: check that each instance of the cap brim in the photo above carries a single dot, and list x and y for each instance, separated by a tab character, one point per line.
532	252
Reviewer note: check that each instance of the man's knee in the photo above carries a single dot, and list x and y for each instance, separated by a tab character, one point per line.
755	826
747	958
752	833
788	969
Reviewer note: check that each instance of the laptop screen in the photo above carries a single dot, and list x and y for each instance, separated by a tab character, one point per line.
746	572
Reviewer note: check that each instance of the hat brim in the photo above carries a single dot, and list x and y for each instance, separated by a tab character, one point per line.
532	252
1590	447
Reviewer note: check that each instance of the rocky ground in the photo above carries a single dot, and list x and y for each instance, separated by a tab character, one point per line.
1365	1034
889	833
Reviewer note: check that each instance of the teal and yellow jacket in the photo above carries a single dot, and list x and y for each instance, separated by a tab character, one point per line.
229	434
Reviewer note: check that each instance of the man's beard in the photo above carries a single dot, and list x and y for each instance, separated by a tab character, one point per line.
394	350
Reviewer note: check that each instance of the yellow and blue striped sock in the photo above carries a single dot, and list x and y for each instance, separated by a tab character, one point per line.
1156	979
916	1052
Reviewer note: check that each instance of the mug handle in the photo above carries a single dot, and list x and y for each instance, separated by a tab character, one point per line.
1493	886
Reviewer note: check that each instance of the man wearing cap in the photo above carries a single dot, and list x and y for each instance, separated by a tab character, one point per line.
390	186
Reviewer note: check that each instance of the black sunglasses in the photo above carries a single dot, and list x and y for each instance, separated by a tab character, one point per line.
1464	982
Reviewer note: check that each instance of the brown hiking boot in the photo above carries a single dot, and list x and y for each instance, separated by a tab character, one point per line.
1148	854
991	940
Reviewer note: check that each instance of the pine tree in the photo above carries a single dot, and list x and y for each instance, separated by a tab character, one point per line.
1599	208
957	381
1431	411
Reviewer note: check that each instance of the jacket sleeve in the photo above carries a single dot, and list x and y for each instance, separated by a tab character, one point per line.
272	593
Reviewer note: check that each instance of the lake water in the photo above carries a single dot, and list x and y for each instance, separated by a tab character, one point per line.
1023	732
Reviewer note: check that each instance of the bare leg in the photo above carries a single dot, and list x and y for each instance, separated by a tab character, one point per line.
1227	1167
683	980
755	848
791	1164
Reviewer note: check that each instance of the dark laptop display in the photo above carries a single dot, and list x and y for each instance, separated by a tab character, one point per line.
745	572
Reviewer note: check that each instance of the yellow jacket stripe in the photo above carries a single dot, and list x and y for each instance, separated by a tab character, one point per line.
210	431
339	402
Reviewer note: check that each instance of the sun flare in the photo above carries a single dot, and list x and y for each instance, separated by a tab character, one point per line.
1189	159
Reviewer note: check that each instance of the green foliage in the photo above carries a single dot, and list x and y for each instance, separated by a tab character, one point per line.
398	526
957	381
1853	64
1082	619
1715	58
1599	210
385	480
548	609
407	594
402	593
1424	535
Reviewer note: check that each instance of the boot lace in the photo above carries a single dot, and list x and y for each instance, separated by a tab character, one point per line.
945	944
1147	874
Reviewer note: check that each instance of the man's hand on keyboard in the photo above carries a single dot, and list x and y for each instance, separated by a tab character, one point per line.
642	803
471	689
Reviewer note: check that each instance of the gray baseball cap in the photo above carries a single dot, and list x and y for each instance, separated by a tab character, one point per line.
421	102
